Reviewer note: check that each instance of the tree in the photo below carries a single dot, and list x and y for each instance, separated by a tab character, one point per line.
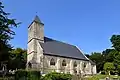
98	59
17	59
108	66
117	58
118	69
115	39
109	55
87	55
6	33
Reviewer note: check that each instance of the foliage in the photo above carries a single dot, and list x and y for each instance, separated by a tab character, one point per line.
103	72
115	39
98	59
57	76
27	75
93	78
117	58
108	55
108	66
87	55
6	33
18	57
118	69
7	78
5	25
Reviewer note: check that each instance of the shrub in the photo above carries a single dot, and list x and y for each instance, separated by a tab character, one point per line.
27	75
102	72
108	66
118	69
57	76
113	72
7	78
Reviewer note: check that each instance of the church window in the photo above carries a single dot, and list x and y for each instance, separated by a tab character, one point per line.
29	65
63	63
52	62
84	64
75	64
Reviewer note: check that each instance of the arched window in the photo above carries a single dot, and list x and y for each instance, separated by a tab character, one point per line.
75	64
29	65
52	62
63	63
84	64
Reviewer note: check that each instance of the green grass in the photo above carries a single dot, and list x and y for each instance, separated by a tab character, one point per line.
97	77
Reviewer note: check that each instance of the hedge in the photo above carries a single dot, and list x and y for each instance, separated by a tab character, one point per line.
27	75
57	76
7	78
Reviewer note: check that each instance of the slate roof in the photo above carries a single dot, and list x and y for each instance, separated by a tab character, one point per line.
36	19
57	48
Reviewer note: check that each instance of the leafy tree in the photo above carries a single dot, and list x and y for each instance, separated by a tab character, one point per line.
107	51
118	69
98	59
18	59
117	58
87	55
108	66
6	33
109	55
115	39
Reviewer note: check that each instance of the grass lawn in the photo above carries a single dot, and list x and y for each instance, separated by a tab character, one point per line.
97	77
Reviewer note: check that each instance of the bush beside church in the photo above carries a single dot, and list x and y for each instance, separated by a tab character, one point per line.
36	75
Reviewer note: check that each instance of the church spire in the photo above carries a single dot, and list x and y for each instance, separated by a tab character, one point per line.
36	30
36	19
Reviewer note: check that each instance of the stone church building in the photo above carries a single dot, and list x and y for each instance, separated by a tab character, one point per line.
46	54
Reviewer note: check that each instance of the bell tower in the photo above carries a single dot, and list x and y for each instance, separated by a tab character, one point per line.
36	30
35	36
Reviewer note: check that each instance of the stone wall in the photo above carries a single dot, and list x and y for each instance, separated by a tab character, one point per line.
69	68
34	49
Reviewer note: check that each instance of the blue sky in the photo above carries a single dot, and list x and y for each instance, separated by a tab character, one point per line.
89	24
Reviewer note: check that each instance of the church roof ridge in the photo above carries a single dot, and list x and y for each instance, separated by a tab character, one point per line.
60	41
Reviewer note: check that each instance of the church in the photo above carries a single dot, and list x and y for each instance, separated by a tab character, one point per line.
47	55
